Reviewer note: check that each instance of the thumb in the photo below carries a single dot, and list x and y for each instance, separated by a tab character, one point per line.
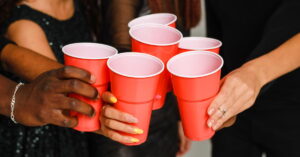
108	97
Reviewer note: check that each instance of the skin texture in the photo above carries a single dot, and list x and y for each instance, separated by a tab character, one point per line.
44	100
240	88
34	60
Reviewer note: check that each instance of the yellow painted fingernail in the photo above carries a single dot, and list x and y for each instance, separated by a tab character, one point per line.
113	100
138	131
135	140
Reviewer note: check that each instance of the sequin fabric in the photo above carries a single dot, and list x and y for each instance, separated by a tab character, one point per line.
46	141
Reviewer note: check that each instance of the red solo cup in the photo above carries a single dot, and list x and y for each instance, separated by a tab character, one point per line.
160	41
199	44
93	58
134	80
196	80
158	18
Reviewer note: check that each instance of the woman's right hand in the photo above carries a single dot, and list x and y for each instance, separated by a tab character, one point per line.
114	121
45	100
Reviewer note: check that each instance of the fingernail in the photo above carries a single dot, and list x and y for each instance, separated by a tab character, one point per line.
210	111
134	140
138	131
209	124
93	79
215	127
113	99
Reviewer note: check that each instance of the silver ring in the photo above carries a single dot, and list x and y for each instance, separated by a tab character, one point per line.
223	111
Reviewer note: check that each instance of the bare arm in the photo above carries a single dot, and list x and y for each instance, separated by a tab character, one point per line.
241	87
25	63
118	14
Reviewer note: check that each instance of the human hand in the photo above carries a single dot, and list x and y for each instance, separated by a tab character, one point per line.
113	121
185	143
239	91
45	100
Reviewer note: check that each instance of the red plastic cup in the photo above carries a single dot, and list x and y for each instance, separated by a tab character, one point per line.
134	80
196	80
158	18
93	58
160	41
199	44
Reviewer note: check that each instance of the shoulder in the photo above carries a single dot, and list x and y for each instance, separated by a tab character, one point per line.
25	30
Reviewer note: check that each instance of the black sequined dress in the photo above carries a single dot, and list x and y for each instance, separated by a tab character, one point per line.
46	141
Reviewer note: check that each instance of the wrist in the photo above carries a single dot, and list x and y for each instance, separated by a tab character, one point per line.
258	71
5	107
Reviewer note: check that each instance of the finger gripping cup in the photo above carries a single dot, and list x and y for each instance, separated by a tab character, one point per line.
196	80
160	41
134	80
158	18
91	57
199	44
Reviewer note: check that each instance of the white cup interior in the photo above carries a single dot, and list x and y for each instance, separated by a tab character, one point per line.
156	34
195	64
89	50
199	43
137	65
159	18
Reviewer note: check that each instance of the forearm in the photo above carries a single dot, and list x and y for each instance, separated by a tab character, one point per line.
278	62
6	91
26	63
118	15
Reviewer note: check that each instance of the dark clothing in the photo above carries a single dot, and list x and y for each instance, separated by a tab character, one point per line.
58	32
249	29
275	133
46	141
163	139
3	43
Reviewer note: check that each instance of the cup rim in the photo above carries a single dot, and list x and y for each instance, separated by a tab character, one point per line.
197	38
155	25
193	53
87	44
130	24
136	54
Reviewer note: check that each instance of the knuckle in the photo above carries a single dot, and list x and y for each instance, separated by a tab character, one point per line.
112	135
66	123
108	111
108	123
74	84
85	74
42	116
67	70
74	103
47	87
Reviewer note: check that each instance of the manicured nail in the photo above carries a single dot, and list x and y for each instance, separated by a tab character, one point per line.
132	119
215	127
210	111
209	124
93	79
138	131
113	99
134	140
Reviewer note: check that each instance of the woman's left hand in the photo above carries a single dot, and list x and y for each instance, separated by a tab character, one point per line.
238	92
184	143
